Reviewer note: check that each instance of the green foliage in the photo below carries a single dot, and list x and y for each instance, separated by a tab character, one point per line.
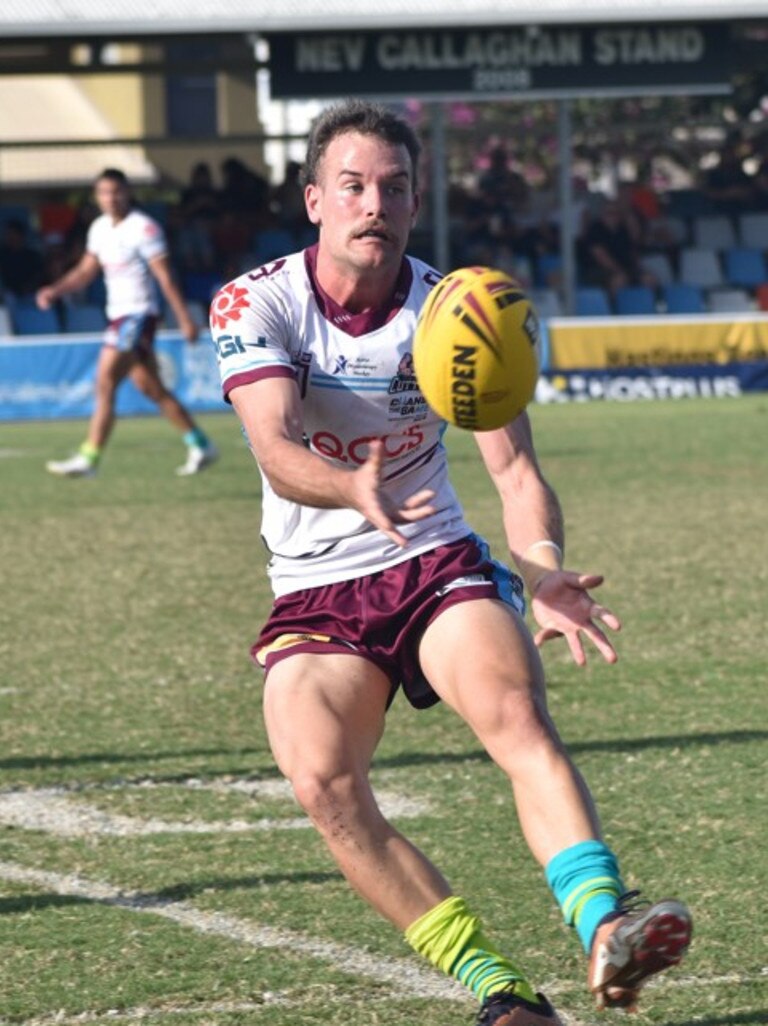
129	603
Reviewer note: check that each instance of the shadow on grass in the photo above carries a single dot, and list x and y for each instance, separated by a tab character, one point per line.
24	903
634	744
29	762
184	891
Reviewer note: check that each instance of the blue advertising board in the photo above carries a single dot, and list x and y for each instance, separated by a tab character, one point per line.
45	378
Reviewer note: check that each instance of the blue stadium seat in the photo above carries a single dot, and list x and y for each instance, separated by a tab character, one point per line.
201	286
592	302
745	268
86	318
29	320
548	266
635	299
681	298
272	243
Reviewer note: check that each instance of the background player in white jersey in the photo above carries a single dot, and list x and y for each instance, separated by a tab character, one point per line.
380	583
130	249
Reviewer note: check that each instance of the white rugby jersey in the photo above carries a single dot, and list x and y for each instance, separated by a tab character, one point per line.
355	375
124	250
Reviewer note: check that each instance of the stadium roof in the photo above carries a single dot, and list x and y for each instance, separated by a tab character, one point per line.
73	18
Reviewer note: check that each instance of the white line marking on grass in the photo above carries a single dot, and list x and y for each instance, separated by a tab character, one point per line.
55	811
409	980
144	1013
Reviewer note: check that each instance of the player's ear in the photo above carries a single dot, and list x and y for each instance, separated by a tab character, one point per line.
311	202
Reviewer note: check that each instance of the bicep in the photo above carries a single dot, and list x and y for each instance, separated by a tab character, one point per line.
270	412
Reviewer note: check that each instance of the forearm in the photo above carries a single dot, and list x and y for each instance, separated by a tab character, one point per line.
301	476
73	281
533	523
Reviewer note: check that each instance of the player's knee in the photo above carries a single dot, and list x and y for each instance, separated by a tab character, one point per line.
325	795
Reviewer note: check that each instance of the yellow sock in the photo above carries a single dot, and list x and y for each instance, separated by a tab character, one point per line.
90	451
451	938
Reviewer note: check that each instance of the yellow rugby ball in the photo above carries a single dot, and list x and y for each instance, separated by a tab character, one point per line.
475	349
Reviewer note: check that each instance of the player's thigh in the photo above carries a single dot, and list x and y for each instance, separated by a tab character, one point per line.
481	660
145	375
112	367
324	713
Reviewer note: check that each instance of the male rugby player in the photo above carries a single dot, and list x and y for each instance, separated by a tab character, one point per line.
130	248
380	583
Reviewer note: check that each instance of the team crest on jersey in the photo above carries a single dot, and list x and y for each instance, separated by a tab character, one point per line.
405	379
228	305
407	400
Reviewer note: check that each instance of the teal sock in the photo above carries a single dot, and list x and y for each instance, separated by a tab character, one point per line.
196	439
586	884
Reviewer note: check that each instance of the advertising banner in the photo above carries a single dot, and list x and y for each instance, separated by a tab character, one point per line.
48	378
638	384
657	341
527	61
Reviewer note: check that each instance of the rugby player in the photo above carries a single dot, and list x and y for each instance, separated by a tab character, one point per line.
380	584
129	247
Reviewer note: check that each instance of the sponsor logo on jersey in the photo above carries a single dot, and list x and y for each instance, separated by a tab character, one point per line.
228	305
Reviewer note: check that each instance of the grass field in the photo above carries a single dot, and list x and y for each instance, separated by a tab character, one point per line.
153	866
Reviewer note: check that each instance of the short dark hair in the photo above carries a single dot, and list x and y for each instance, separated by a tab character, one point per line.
113	174
361	116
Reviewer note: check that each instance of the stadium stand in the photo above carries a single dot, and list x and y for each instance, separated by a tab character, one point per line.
635	300
730	301
753	230
745	268
701	267
28	320
84	318
715	231
683	298
592	302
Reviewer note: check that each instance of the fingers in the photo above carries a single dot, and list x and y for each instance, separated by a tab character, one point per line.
606	616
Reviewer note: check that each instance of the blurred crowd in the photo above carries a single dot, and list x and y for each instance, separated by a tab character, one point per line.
217	230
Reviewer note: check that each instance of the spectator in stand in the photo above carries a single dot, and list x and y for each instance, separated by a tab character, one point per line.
288	201
502	184
760	182
200	198
197	213
609	250
244	193
22	267
727	184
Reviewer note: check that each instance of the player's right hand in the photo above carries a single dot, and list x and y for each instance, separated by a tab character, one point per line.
45	297
370	499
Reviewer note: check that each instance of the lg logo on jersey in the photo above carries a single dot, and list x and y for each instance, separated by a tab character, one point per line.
356	451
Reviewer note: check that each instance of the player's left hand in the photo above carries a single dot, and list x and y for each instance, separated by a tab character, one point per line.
563	607
189	329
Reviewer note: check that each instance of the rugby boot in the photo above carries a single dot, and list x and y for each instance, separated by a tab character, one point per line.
633	944
505	1008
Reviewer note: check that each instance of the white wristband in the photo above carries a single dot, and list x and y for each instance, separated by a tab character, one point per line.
545	543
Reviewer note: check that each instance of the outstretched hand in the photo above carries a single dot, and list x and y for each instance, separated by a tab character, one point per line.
563	607
371	500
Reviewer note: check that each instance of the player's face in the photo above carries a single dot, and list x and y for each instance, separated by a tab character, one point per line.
363	202
112	198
